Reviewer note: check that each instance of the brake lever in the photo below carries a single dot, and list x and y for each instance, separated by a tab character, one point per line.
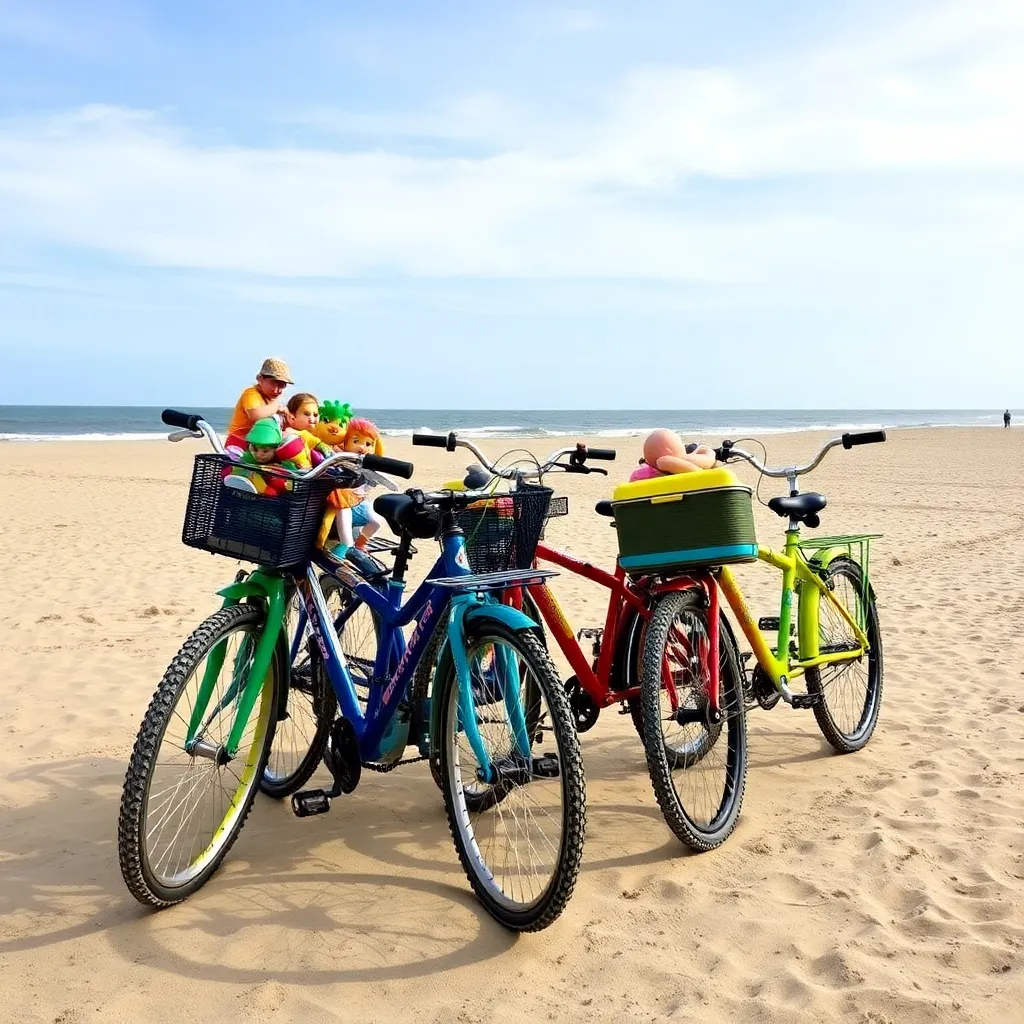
724	453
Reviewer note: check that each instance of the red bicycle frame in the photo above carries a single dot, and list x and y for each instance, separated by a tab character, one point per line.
624	594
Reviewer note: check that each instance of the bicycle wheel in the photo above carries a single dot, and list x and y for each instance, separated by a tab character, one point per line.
520	839
851	691
691	747
302	731
180	813
358	635
424	678
698	767
422	686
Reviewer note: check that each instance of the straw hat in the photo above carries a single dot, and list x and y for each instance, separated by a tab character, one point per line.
276	368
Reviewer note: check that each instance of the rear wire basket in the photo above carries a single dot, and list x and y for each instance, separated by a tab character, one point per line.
857	547
502	532
272	529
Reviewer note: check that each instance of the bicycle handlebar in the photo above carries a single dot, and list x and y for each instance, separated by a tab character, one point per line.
577	457
193	425
185	420
728	451
435	441
865	437
382	464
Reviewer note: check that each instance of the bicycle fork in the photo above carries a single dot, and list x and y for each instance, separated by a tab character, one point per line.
245	685
505	676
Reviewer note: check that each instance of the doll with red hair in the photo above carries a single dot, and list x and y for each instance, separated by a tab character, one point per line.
349	507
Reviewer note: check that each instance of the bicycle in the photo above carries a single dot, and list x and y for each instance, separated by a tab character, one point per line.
836	632
611	675
217	727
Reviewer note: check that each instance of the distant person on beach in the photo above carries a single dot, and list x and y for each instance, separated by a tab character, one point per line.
1006	419
258	402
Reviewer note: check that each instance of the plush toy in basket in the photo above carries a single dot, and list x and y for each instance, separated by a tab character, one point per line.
267	447
349	507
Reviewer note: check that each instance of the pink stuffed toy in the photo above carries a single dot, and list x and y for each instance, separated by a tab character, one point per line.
665	453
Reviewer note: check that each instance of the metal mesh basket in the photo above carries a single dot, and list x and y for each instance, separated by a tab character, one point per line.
502	532
276	528
559	507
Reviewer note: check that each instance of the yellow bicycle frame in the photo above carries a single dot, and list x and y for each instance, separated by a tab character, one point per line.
810	588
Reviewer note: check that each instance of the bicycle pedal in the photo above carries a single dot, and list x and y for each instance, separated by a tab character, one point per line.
806	700
745	656
591	633
546	766
310	802
770	623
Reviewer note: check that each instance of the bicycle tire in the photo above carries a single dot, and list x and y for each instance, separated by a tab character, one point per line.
467	824
135	859
822	680
701	832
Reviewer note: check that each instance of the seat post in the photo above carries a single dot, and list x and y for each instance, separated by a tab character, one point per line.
402	556
794	490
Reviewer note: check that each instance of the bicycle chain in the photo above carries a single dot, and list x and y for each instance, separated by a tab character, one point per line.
375	766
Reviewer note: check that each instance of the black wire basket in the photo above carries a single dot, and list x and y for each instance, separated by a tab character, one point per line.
559	507
276	528
502	532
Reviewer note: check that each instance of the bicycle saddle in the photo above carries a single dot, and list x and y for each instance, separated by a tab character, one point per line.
802	507
604	508
404	514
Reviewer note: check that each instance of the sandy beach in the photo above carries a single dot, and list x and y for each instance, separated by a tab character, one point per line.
885	886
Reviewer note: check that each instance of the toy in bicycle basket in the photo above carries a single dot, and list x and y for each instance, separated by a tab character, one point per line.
276	528
502	532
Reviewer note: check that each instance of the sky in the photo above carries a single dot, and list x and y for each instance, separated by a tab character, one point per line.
429	204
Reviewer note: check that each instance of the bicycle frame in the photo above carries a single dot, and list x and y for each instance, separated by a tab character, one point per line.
595	682
797	577
395	662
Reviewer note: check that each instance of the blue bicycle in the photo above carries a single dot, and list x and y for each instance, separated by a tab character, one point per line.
512	773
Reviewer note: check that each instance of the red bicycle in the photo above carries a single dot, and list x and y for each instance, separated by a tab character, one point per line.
612	674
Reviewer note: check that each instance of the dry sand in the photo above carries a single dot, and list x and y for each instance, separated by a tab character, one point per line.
884	886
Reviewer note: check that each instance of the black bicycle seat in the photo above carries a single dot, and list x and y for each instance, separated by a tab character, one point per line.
803	507
404	514
604	508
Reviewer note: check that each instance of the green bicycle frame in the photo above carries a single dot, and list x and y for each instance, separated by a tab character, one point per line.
246	682
798	577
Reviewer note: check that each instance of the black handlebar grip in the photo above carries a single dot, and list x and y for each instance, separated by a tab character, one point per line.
184	420
608	454
865	437
382	464
430	440
435	441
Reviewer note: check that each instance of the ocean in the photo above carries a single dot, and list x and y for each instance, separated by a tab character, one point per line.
103	422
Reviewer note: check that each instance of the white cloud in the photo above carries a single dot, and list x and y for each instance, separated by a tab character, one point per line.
609	199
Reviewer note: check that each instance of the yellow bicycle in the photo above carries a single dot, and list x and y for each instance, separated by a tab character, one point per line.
694	705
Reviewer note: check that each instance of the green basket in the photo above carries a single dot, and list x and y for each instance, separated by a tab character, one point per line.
678	533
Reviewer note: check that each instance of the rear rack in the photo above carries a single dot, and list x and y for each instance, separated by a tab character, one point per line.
494	580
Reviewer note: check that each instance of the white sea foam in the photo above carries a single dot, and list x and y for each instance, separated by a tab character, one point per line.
84	437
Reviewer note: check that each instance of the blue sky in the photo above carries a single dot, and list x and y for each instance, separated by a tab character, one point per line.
533	205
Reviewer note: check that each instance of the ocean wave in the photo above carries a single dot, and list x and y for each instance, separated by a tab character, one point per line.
84	437
485	431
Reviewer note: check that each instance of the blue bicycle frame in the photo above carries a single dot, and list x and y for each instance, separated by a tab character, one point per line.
396	661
